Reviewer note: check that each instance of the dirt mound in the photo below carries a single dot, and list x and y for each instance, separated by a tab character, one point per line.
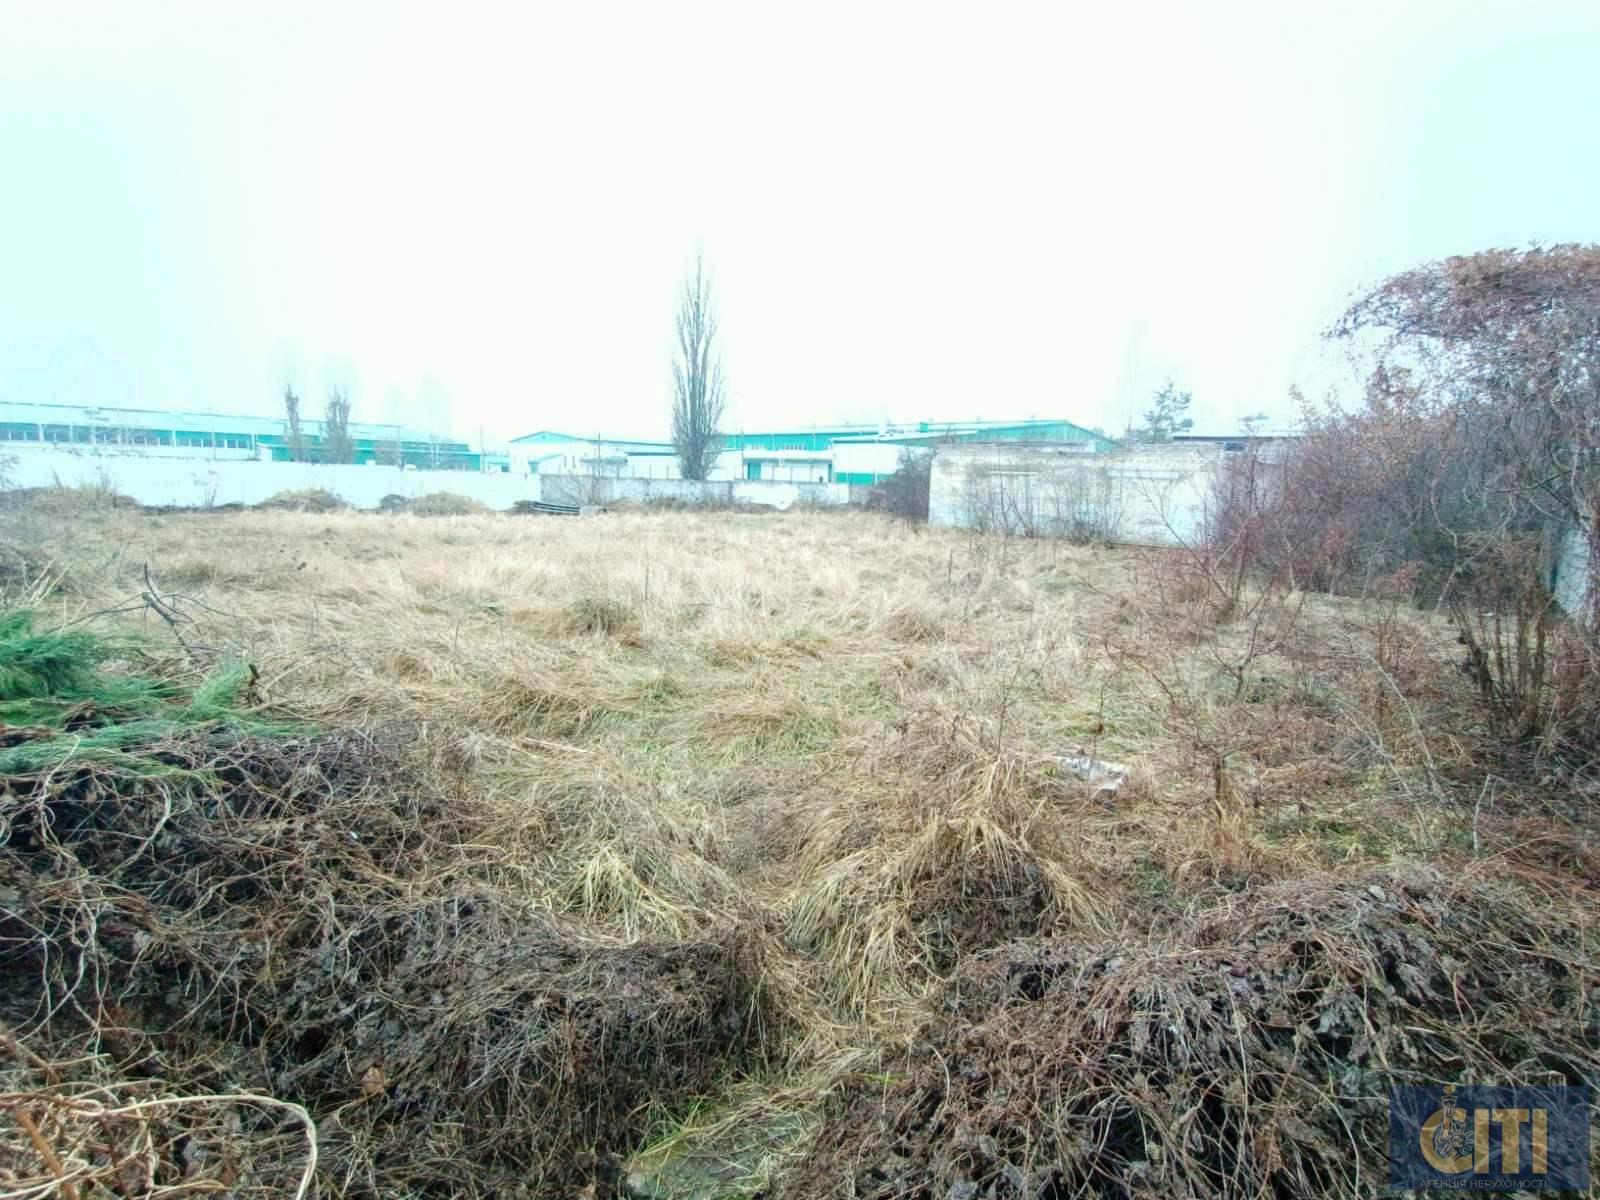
447	504
166	510
209	925
65	501
1249	1056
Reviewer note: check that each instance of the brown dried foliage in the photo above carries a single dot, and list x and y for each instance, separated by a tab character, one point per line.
1247	1055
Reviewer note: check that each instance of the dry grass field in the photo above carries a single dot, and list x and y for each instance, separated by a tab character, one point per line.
729	855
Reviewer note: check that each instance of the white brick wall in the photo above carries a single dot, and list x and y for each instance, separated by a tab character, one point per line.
589	489
1150	495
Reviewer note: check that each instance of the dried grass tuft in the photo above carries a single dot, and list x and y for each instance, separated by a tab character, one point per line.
600	614
966	855
911	622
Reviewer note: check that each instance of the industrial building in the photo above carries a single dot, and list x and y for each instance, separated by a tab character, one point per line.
223	435
850	454
858	454
549	453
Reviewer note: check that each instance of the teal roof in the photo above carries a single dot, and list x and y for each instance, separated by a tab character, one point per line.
987	431
921	433
821	437
551	436
112	417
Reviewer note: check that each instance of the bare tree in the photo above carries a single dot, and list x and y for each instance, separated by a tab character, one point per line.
441	457
337	444
697	384
1506	344
1504	351
394	453
1474	454
296	431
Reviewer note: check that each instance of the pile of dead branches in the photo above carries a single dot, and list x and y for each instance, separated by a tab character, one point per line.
1248	1056
245	957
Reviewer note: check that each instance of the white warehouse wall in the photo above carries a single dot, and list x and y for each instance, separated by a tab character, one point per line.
813	469
880	458
728	466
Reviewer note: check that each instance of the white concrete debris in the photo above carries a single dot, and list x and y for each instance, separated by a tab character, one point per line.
1110	776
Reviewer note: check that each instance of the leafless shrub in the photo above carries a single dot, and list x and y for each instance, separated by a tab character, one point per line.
1506	618
1365	493
1077	498
1082	501
905	493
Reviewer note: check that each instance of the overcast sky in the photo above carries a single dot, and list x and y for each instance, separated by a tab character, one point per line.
481	216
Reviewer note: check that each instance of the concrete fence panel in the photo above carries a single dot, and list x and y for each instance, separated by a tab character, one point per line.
610	489
1147	495
191	481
